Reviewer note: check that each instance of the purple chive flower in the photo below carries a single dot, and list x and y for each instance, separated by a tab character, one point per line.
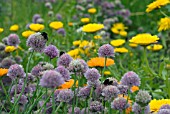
84	92
50	13
119	104
64	72
94	84
130	79
36	70
35	18
15	71
46	66
51	51
64	60
51	79
4	40
166	106
59	17
13	40
84	111
65	95
36	42
137	109
106	50
6	62
164	111
76	66
123	89
92	74
22	101
40	21
96	106
2	46
98	90
48	5
61	31
84	64
143	98
18	59
76	110
110	92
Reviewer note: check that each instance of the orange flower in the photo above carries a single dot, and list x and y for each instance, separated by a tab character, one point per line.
3	72
67	84
134	88
99	62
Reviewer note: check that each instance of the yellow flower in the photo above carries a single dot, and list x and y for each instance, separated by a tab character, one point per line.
84	43
92	27
27	33
156	104
156	4
36	27
74	53
119	28
117	42
107	73
99	62
1	30
56	25
10	48
92	10
97	37
133	45
123	33
14	27
155	47
144	39
121	50
85	20
164	24
3	71
70	24
76	43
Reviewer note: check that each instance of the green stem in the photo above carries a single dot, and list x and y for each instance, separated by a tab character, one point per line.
163	13
58	107
105	60
91	92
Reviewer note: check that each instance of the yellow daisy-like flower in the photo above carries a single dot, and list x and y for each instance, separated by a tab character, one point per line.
134	88
164	24
74	53
107	73
1	30
36	27
119	28
99	62
123	33
92	27
92	10
76	43
117	42
67	84
156	4
56	25
97	37
3	71
85	20
144	39
27	33
10	49
133	45
155	105
121	50
155	47
84	43
14	27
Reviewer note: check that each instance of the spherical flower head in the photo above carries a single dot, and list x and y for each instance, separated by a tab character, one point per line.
36	27
92	74
123	89
65	95
110	92
96	106
166	106
36	70
76	110
137	109
51	51
84	64
64	72
143	98
94	84
119	104
64	60
106	50
84	92
164	111
14	27
51	79
13	40
92	27
6	62
130	79
36	42
2	46
15	71
35	18
76	66
144	39
18	59
22	101
117	42
59	17
46	66
40	21
56	25
164	24
61	31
